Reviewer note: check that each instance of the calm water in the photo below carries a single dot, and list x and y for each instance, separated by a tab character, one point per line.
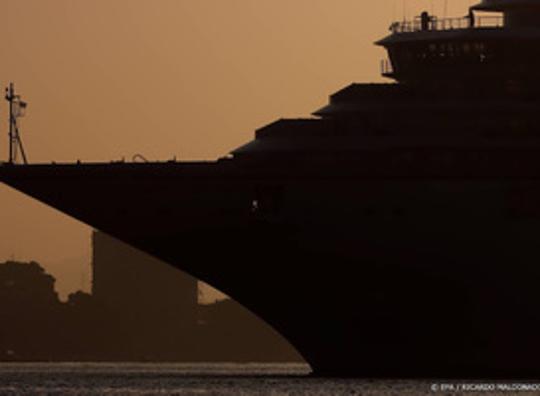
198	379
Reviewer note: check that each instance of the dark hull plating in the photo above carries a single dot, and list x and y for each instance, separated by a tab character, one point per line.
366	274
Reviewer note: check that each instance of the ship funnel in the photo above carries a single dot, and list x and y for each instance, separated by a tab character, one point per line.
517	13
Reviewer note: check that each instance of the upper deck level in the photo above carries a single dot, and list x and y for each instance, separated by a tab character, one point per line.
494	47
434	24
489	14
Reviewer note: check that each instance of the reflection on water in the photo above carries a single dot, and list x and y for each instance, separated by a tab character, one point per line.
83	379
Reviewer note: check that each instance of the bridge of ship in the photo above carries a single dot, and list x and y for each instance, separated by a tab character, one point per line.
440	30
497	45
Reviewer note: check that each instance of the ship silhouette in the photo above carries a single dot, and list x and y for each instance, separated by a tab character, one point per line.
394	234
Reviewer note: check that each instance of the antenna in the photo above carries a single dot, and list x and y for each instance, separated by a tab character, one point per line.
17	109
404	3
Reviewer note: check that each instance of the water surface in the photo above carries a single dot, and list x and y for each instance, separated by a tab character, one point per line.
95	379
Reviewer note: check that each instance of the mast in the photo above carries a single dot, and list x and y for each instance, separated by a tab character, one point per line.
9	96
16	110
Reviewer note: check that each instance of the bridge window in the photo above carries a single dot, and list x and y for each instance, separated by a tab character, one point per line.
480	47
442	50
450	50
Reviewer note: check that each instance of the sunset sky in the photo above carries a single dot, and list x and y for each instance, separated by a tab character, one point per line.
108	79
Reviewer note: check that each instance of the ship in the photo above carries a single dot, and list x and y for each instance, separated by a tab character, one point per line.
394	233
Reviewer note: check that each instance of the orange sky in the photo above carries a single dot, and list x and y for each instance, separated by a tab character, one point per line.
106	79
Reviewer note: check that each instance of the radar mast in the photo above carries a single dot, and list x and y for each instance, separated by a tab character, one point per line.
17	109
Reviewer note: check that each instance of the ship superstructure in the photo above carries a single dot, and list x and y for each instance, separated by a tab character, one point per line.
394	234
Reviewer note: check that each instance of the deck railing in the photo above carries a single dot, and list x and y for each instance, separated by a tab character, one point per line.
443	24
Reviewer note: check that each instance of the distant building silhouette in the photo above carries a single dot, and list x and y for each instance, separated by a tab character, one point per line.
136	284
156	302
159	311
141	309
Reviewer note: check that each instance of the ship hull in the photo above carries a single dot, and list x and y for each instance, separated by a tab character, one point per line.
392	277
